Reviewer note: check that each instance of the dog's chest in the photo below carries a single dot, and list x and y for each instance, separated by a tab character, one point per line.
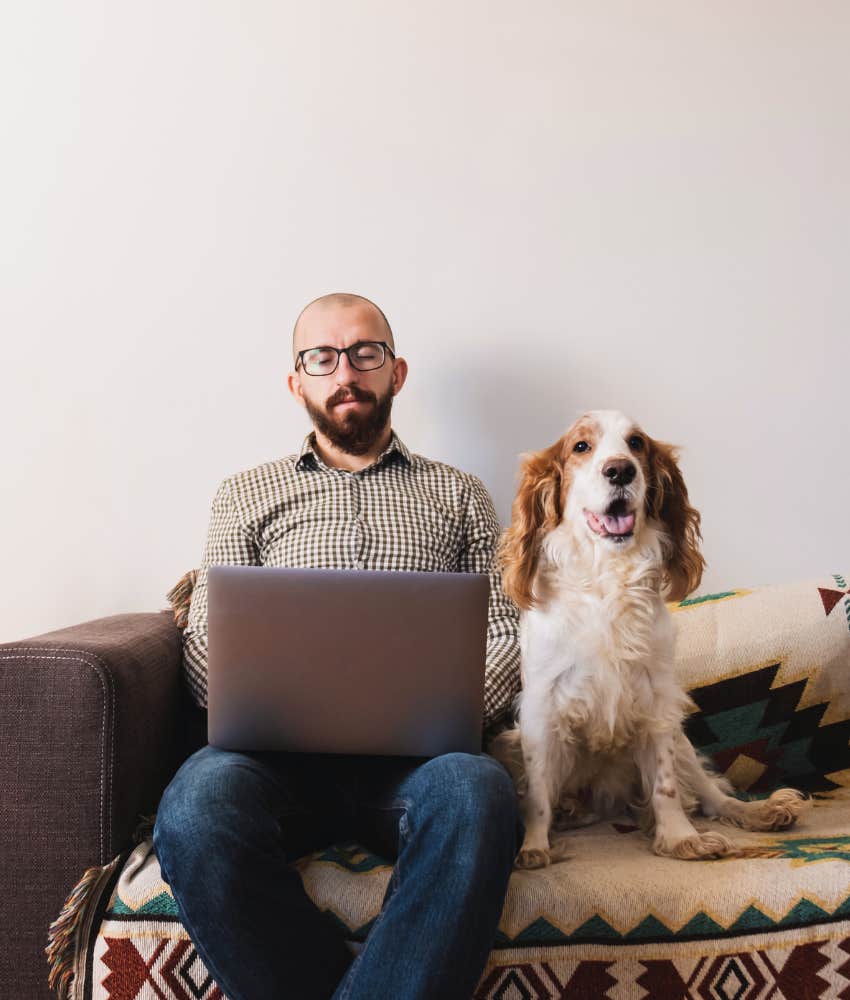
594	652
602	710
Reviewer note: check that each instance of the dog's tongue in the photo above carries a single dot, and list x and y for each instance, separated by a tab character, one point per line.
618	525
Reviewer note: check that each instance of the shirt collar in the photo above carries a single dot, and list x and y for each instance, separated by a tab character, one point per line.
308	457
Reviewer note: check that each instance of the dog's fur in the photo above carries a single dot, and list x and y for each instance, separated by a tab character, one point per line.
602	534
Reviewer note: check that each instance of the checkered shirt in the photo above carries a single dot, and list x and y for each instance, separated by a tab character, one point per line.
403	512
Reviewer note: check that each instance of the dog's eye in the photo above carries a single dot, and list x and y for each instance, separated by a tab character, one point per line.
635	442
581	446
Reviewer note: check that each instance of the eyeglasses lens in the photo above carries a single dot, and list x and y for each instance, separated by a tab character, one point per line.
364	357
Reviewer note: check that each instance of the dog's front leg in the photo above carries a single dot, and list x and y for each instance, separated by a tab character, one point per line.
675	835
540	755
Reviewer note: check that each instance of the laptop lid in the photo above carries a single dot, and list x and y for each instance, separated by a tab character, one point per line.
346	661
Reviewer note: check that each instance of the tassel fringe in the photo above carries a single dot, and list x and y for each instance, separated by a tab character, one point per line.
180	597
63	933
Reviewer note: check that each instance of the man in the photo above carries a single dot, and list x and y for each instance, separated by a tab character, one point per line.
229	824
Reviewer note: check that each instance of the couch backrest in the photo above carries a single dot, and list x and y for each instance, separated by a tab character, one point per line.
769	671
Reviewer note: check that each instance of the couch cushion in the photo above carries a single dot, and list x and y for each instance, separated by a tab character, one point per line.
613	909
613	889
768	670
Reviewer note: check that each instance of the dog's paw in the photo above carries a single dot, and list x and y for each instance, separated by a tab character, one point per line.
698	847
778	811
532	857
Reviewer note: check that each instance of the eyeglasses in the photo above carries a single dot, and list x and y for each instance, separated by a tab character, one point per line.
365	356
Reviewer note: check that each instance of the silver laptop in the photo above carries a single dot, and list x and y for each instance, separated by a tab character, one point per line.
346	661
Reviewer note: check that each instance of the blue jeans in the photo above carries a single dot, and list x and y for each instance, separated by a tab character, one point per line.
229	824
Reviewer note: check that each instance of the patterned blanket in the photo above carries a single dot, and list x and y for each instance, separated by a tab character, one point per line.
769	671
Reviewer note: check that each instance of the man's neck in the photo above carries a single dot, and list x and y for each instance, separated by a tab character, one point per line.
332	456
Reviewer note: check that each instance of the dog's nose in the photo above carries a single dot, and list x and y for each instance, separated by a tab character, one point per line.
619	471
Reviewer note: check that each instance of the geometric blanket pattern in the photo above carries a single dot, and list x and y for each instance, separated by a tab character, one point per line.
754	726
788	966
792	966
768	670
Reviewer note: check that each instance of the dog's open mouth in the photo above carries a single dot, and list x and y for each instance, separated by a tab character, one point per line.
617	522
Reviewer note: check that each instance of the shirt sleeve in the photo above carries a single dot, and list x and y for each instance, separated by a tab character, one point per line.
501	672
229	543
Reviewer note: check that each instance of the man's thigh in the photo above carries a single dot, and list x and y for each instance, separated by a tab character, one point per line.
451	785
363	797
309	795
384	791
319	795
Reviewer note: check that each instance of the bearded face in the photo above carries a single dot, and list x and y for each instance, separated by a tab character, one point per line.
352	418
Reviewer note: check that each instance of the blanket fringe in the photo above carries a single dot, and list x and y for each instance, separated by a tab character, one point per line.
63	933
180	597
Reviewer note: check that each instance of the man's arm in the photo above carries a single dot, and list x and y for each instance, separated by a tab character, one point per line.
501	675
229	543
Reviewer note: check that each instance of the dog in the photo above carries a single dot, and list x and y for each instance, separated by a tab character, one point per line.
602	533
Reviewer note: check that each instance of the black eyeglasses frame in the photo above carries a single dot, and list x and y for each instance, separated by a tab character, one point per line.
344	350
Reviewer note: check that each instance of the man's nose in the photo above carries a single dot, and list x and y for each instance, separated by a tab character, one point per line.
619	471
345	370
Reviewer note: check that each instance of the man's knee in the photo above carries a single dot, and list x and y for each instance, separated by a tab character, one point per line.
475	785
212	790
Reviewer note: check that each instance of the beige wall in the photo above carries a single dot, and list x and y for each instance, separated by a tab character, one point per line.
559	206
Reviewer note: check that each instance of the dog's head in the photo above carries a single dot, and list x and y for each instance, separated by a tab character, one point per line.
604	480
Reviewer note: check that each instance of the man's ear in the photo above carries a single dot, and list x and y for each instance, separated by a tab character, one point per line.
293	382
399	375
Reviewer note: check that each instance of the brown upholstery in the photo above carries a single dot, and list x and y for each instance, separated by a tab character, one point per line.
94	720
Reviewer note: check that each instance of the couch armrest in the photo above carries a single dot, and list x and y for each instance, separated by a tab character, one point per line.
89	738
90	730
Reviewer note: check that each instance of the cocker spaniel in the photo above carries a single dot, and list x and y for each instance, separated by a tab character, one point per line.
602	533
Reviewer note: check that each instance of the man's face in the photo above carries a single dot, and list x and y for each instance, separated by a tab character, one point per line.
350	407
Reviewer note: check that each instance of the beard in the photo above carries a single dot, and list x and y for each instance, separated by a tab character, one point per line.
352	433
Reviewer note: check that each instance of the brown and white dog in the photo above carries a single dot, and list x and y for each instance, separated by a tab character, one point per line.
602	534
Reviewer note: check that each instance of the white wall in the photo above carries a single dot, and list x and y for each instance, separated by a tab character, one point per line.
653	195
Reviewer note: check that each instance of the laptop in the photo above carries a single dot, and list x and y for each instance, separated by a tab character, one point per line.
345	661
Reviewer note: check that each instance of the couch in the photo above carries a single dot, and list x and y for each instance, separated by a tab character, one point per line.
95	721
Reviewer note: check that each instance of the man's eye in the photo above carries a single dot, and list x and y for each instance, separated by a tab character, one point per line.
366	352
319	356
581	446
635	442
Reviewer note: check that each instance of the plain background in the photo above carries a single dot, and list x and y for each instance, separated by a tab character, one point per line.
559	206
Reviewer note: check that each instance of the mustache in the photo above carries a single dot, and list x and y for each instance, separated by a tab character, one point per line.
345	395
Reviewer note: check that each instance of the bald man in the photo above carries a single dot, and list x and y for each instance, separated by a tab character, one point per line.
230	824
351	411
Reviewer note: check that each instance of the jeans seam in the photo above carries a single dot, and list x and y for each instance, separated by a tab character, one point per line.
403	829
399	803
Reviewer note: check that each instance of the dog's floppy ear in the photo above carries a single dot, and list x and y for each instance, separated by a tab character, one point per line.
537	509
667	502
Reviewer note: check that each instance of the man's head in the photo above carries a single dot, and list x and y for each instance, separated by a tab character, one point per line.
349	406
